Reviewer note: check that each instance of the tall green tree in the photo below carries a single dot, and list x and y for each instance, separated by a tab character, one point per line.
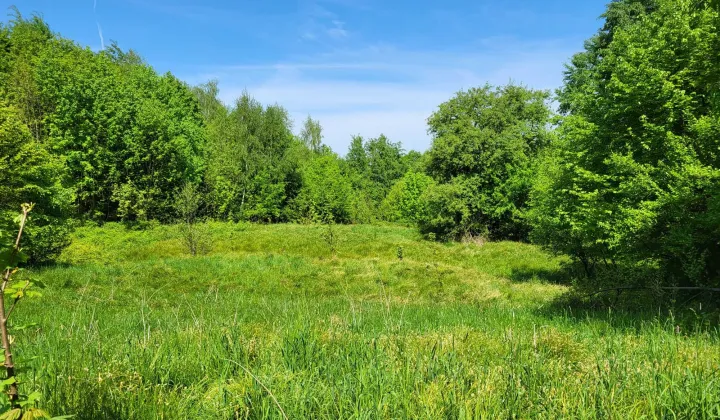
20	46
385	165
356	158
374	166
485	141
127	136
311	134
634	179
249	172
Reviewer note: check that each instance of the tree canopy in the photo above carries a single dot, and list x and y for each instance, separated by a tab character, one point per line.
484	144
625	178
633	180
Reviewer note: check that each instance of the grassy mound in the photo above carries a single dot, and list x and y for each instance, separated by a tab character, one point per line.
275	321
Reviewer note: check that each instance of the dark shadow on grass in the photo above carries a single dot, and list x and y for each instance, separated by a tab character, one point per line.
526	274
679	312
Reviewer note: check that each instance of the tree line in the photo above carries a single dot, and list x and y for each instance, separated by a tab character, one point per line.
623	177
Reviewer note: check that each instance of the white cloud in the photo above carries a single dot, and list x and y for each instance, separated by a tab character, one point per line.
337	31
381	89
102	40
321	23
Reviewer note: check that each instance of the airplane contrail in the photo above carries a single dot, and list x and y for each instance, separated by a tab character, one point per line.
102	41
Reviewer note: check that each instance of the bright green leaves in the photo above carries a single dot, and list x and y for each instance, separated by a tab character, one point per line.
8	381
405	201
373	166
28	172
326	194
27	409
119	137
632	179
311	134
19	290
251	164
131	137
485	141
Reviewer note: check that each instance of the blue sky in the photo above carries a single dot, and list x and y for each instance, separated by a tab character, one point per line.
359	66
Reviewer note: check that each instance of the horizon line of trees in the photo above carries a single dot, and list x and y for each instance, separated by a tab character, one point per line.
624	177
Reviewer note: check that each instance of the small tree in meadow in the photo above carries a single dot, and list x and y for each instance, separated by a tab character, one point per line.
187	204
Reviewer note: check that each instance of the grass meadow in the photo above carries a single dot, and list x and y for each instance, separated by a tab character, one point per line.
271	323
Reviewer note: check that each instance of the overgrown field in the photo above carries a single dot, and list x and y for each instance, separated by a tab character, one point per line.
270	323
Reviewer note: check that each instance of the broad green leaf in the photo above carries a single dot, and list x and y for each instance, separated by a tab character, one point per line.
9	381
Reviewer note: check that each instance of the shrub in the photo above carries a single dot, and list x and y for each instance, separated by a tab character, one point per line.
404	201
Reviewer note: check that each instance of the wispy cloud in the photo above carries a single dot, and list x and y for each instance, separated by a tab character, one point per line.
320	22
318	11
381	89
102	40
337	31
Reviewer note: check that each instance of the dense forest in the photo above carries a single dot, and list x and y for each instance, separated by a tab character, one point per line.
624	177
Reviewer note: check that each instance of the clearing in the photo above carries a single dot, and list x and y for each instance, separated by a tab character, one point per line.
271	323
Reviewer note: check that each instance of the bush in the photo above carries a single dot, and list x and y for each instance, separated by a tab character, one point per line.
362	208
187	205
29	174
325	193
446	216
404	202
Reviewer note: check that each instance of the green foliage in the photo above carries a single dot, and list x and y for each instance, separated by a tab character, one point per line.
632	184
359	335
127	139
446	216
187	205
485	141
362	208
356	158
249	165
405	203
373	168
29	173
127	136
325	193
13	404
311	134
384	165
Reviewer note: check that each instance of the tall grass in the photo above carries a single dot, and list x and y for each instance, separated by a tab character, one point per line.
272	323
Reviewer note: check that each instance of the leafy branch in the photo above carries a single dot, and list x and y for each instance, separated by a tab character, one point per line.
21	407
9	271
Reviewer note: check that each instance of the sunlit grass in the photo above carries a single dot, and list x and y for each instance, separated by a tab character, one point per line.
131	326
